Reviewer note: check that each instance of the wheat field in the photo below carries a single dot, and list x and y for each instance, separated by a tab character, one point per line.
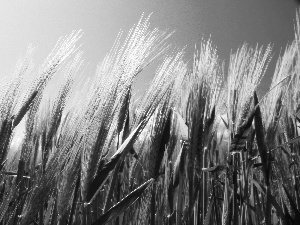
201	146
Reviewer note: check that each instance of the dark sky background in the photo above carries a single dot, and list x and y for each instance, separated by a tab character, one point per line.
229	23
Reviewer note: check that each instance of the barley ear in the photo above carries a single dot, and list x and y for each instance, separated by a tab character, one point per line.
259	132
242	131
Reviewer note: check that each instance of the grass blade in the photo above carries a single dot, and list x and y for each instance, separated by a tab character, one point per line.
121	206
293	205
109	166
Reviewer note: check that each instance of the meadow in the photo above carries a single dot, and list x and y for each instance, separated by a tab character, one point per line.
201	146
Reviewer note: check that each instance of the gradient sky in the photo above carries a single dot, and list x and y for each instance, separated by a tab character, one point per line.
230	23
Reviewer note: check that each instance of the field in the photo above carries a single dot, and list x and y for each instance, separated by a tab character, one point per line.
201	146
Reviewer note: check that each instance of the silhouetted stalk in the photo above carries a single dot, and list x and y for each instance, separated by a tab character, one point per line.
204	184
152	205
75	199
235	189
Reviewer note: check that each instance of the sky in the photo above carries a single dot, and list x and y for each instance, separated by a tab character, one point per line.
229	24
